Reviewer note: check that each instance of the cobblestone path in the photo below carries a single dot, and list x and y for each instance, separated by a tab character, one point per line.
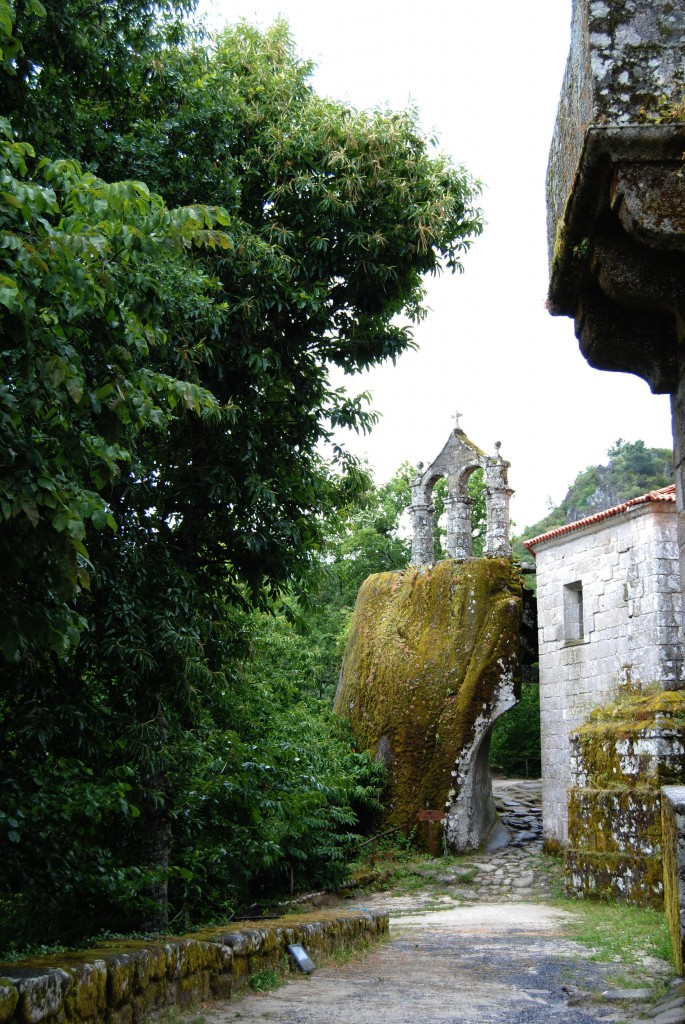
496	954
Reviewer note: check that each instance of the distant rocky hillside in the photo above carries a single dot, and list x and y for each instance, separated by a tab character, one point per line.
632	469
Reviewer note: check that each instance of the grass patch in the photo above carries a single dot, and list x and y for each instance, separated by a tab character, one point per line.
172	1015
352	953
408	871
553	868
617	933
266	980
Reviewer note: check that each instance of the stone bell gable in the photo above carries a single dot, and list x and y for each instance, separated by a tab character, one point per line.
459	458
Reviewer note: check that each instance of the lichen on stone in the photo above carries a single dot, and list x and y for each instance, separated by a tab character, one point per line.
9	997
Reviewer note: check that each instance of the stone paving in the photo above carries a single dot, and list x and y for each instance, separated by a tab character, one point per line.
514	871
510	871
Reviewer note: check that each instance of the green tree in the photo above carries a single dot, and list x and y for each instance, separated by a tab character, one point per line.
67	63
367	540
476	488
165	376
261	781
515	745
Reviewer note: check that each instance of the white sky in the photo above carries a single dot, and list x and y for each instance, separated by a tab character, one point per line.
486	76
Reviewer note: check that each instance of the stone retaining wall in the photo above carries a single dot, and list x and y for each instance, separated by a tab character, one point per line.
125	981
620	759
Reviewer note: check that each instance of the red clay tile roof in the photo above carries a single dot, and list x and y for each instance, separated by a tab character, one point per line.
663	494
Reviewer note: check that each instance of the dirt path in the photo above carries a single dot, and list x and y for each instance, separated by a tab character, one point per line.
484	951
495	964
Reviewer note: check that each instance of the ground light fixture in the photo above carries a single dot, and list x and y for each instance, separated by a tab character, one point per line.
299	955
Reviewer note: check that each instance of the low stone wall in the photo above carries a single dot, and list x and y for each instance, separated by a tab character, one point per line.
124	982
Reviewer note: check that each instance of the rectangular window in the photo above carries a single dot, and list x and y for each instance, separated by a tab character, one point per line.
573	612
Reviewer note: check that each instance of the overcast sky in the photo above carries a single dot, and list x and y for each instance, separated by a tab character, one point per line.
486	76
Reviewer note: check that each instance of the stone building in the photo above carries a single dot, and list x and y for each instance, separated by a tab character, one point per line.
616	238
608	611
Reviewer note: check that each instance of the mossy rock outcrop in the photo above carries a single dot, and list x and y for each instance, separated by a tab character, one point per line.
432	661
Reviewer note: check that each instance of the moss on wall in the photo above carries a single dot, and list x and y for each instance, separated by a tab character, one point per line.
672	825
613	876
124	982
621	757
427	655
595	814
639	740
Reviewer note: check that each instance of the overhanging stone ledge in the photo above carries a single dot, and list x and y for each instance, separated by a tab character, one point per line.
648	148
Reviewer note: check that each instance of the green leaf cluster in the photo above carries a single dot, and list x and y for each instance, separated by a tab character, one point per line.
83	335
515	743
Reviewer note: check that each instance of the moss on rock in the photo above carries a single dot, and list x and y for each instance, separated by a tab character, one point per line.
614	876
673	824
422	678
9	997
614	820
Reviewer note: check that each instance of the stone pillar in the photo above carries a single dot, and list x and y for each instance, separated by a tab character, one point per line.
497	497
678	428
422	549
459	541
497	543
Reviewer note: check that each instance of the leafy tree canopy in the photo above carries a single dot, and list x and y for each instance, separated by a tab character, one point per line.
330	218
60	55
198	240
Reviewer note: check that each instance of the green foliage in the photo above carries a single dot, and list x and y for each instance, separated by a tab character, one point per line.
366	539
164	403
81	311
66	62
266	980
257	781
668	110
515	743
439	518
476	489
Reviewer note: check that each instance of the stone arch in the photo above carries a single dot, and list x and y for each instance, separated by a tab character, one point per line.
462	480
459	458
